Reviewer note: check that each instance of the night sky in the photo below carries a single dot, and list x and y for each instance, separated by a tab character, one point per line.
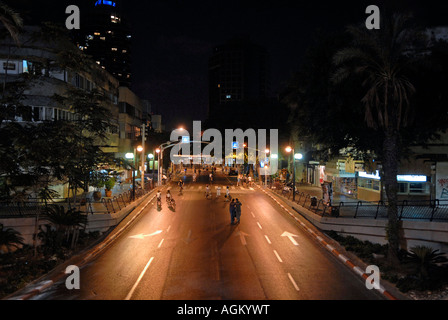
172	40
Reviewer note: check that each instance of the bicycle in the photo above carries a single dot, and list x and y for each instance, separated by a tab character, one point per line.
171	203
159	202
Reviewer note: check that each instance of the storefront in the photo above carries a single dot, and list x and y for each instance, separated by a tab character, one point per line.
369	186
410	187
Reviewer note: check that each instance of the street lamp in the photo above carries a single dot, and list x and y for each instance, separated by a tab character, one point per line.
295	157
158	166
266	170
142	167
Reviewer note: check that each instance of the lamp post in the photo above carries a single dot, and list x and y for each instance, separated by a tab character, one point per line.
266	176
295	156
158	166
289	149
142	167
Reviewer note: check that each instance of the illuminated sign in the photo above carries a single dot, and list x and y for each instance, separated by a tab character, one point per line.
235	145
411	178
105	2
185	139
400	177
364	174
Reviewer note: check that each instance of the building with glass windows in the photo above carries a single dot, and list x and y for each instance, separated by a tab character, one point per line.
105	35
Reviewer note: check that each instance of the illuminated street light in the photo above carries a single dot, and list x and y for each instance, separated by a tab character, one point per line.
129	155
295	157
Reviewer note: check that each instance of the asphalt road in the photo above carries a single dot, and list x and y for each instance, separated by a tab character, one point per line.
194	253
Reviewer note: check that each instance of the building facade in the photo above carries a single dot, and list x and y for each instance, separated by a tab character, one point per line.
105	35
239	81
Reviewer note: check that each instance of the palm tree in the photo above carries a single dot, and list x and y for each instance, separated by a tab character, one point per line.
10	238
381	58
67	222
11	20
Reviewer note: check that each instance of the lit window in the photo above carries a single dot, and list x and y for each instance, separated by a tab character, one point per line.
98	62
124	51
25	66
97	33
219	86
103	38
228	96
114	49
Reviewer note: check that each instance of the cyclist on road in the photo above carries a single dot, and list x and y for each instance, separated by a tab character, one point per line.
181	184
159	197
168	196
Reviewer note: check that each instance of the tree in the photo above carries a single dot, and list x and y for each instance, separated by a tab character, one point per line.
337	98
11	20
9	238
383	59
67	222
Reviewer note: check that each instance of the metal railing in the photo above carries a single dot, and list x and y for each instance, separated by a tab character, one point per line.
430	210
84	203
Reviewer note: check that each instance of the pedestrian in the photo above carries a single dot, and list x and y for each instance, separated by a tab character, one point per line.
239	180
238	205
232	211
218	192
228	197
207	192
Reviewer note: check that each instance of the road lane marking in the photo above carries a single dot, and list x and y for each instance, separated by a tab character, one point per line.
290	237
168	230
128	297
160	244
142	236
278	257
242	236
293	282
253	215
259	225
330	248
267	239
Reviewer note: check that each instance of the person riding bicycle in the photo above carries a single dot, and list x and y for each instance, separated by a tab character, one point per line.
207	191
169	197
159	196
181	184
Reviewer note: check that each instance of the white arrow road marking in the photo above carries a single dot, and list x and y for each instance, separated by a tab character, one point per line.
142	236
291	237
188	239
242	236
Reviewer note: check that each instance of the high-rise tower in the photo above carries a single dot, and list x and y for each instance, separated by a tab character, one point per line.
105	35
239	85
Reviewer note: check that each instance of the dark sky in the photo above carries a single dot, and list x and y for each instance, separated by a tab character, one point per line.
173	39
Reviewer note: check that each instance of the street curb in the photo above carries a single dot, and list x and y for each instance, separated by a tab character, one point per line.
45	284
330	248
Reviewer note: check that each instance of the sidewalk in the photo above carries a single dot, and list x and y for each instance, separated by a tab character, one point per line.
317	192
